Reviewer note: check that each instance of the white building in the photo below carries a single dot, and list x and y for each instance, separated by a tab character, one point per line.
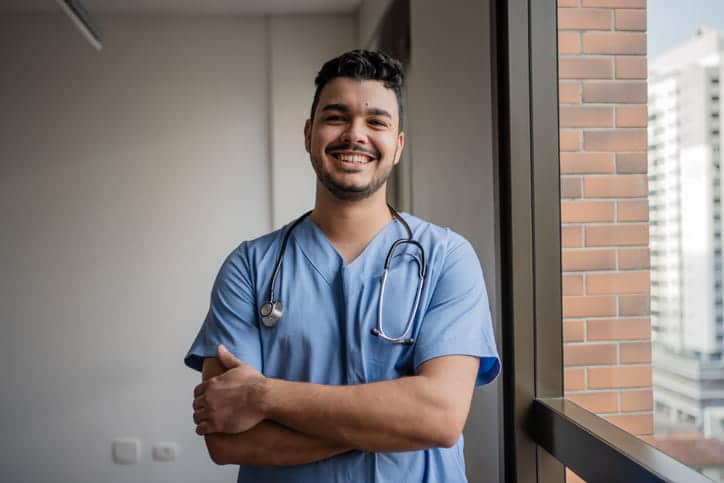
686	228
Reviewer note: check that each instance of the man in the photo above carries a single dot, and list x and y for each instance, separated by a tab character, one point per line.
351	383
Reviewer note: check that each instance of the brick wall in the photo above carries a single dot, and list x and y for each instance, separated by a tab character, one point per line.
604	209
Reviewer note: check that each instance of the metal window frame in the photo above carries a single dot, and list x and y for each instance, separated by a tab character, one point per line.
527	126
541	430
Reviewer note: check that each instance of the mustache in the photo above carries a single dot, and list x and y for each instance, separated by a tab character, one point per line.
352	147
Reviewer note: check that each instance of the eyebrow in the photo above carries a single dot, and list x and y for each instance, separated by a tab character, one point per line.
372	111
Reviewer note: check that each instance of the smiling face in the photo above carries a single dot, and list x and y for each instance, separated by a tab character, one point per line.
354	139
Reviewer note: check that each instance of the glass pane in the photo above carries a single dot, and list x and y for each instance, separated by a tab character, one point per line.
604	212
641	230
685	73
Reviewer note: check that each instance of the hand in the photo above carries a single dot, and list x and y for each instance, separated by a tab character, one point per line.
230	402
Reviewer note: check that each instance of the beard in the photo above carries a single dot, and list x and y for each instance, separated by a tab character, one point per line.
346	192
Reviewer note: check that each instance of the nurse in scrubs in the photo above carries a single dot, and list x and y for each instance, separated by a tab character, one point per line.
346	345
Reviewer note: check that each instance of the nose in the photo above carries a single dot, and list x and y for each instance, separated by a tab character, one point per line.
354	133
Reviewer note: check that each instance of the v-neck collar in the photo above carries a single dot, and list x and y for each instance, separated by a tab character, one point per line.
321	252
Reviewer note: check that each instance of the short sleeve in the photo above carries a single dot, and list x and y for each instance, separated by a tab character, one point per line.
457	320
231	319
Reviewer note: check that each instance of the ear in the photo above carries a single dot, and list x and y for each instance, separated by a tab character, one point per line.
400	146
308	135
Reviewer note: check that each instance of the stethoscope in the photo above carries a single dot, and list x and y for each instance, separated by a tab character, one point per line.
273	310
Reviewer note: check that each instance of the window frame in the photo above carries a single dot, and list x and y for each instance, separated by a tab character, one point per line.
543	431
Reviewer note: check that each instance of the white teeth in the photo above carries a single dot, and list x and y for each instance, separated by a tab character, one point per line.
352	158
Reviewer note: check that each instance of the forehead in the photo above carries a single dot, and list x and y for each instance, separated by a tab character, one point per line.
358	95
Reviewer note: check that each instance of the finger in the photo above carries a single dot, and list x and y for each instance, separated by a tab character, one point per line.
200	416
226	358
203	428
198	403
200	389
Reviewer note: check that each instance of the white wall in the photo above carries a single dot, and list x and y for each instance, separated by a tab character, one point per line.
127	176
299	46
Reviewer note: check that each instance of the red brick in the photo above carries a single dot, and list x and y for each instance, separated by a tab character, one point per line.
615	3
622	92
586	211
571	187
634	423
633	234
570	139
636	210
635	352
631	116
586	116
569	43
617	186
631	19
569	92
615	140
568	3
630	305
631	163
634	259
574	331
637	400
618	377
585	260
630	67
618	329
615	43
589	354
596	402
589	306
571	236
587	163
584	19
572	285
618	283
574	379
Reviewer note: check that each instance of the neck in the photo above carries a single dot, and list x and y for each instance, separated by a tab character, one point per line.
350	221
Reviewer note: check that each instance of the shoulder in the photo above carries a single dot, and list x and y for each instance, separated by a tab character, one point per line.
249	254
436	237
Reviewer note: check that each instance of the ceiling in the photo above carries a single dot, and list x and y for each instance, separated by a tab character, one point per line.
188	7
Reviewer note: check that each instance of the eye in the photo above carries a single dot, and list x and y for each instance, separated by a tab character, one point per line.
334	118
378	123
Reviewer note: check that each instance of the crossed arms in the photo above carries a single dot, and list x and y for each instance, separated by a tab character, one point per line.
248	419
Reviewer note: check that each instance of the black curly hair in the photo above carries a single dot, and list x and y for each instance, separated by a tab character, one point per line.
363	65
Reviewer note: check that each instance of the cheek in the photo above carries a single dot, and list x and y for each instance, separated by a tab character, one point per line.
321	139
388	147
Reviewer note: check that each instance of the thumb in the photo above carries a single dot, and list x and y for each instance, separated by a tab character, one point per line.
227	359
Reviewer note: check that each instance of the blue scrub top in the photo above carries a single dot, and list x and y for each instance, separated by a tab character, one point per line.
324	335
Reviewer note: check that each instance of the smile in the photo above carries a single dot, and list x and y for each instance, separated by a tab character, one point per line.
352	158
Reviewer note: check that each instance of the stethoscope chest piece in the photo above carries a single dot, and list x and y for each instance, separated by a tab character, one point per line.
271	312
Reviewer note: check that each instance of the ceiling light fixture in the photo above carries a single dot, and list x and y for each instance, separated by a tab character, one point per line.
79	15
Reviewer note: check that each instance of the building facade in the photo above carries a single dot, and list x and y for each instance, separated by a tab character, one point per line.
686	231
604	209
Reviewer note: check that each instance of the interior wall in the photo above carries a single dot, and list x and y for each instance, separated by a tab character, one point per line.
127	176
293	72
369	15
450	124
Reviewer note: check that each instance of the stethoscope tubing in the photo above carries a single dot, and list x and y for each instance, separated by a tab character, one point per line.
272	310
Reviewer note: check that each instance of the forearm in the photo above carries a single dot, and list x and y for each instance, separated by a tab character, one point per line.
266	444
269	444
405	414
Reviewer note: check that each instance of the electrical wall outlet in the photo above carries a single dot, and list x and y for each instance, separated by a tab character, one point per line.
165	451
126	451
